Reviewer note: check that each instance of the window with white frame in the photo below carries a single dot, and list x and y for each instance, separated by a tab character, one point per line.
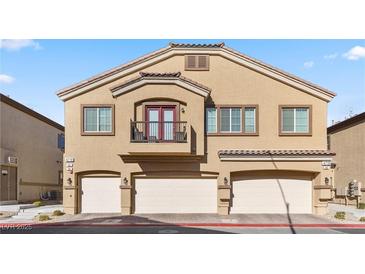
295	119
230	119
97	119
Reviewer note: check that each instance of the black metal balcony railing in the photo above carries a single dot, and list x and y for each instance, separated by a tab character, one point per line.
158	132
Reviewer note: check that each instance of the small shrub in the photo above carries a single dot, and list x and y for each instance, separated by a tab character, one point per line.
362	206
42	218
362	219
340	215
37	203
58	213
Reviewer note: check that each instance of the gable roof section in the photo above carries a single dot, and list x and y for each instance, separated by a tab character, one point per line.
347	123
174	78
181	49
7	100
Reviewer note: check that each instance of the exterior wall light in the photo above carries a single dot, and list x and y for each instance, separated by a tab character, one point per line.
69	181
125	181
225	180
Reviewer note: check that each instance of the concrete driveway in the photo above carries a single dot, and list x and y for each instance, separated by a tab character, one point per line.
195	219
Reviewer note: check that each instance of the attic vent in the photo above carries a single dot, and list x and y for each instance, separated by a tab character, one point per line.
197	62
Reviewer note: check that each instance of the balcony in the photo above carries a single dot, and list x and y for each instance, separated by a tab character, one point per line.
159	132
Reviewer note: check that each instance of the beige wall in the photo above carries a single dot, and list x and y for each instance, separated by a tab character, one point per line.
349	145
34	142
231	83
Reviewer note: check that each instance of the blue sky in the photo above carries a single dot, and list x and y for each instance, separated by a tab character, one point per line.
31	71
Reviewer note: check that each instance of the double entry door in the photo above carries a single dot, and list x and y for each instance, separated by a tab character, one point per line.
161	124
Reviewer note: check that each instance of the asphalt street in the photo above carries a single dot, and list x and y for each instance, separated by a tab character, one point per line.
173	230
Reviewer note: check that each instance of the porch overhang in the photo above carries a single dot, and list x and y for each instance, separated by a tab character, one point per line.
275	155
159	157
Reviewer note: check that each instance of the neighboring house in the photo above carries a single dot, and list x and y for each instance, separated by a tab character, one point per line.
31	151
195	128
347	139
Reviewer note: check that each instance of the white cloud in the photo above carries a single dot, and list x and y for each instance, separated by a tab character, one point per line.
309	64
331	56
355	53
16	44
6	79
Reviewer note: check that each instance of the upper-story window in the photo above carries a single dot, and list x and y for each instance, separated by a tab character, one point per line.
61	141
225	120
197	62
250	119
98	120
211	120
230	120
295	120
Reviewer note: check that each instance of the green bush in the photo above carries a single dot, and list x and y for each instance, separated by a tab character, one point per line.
42	218
340	215
37	203
362	219
362	205
58	213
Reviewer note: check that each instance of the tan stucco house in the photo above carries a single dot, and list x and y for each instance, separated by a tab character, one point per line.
31	153
196	128
347	138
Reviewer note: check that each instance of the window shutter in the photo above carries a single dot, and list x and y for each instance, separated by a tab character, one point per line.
191	62
202	62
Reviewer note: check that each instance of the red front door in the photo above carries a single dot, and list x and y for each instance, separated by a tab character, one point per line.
160	123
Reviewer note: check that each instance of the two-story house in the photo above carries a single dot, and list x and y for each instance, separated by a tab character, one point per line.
31	152
196	128
347	138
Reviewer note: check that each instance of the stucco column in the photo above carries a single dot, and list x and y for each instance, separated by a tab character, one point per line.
322	192
224	193
70	194
126	193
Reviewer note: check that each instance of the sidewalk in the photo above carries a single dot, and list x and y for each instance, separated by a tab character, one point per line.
25	213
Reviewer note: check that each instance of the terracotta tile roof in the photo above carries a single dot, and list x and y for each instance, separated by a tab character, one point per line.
238	152
181	45
157	75
171	46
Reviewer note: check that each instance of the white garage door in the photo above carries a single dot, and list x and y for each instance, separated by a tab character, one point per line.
271	195
176	196
100	195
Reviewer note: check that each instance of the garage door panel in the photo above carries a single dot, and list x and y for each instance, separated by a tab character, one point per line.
271	196
176	196
100	195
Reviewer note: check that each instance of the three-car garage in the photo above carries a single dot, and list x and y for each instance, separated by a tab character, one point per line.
249	195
